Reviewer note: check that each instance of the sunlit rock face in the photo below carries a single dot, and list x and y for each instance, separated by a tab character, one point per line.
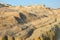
35	22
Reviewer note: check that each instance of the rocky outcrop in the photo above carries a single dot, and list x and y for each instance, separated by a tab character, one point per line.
4	5
29	23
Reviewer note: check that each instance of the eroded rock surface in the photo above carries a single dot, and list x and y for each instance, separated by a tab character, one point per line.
29	23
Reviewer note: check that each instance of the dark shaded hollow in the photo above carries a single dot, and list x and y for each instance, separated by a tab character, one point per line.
57	33
45	37
13	38
5	38
44	16
19	20
32	15
23	17
30	33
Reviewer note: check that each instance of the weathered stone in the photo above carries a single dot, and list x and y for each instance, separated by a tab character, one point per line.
29	23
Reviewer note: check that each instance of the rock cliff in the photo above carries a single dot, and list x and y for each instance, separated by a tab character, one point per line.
35	22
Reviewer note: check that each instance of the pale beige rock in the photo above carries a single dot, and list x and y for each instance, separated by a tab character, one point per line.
35	22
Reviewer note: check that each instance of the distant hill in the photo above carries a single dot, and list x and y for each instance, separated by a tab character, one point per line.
4	5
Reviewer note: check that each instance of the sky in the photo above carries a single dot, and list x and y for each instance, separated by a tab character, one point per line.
47	3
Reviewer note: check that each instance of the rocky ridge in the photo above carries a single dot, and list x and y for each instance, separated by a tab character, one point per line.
29	23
